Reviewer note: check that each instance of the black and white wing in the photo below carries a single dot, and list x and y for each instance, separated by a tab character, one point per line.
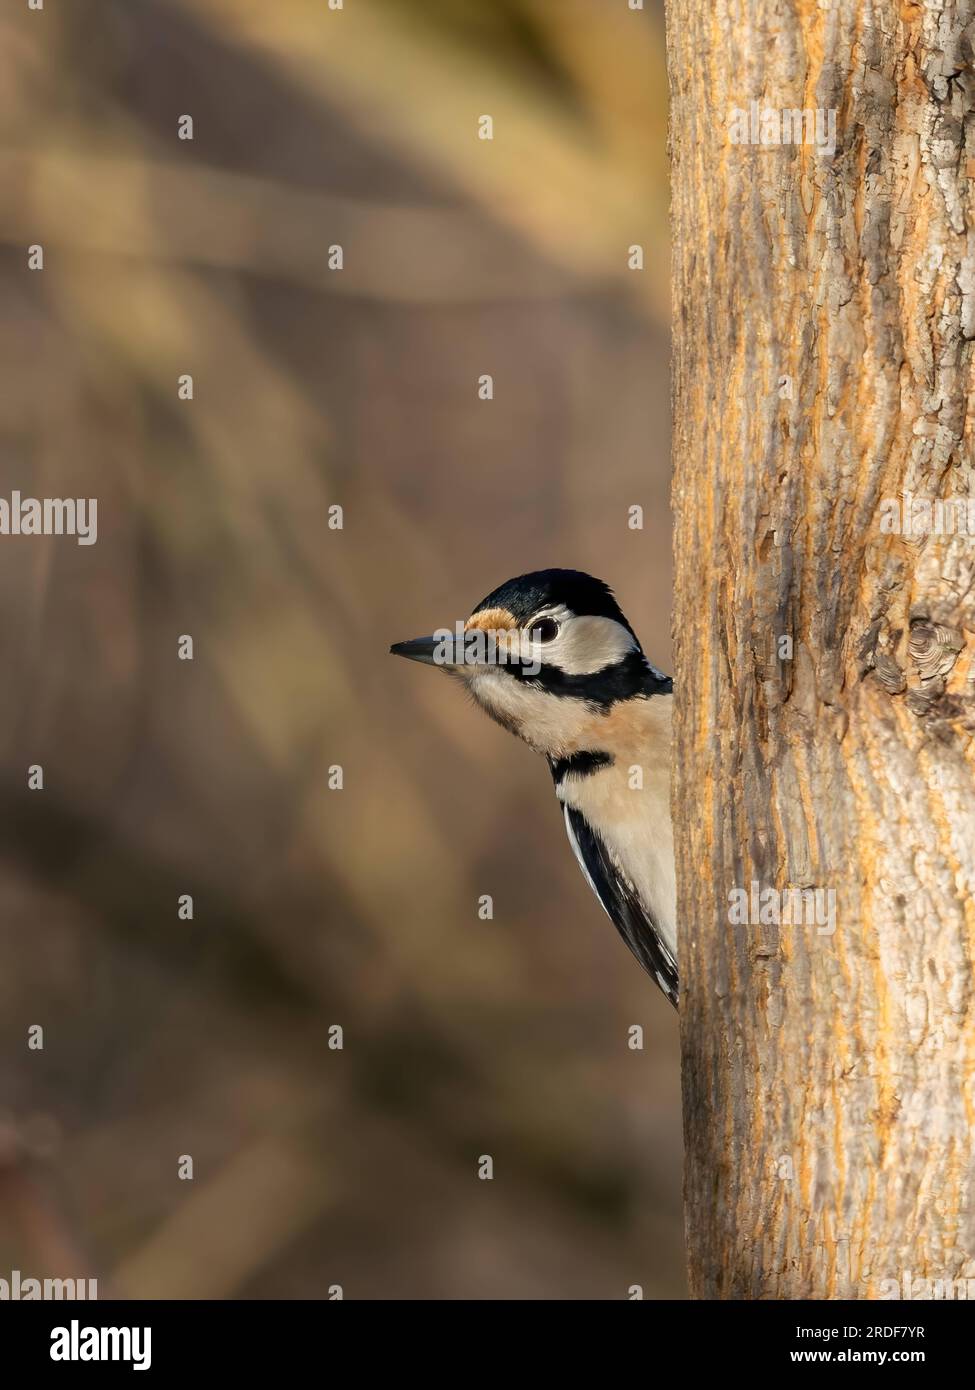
621	903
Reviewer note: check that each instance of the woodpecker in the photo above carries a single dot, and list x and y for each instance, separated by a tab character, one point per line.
552	659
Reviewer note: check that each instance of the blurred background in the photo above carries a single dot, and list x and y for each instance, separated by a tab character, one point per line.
315	388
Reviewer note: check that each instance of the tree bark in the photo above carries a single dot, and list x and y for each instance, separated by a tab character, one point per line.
824	309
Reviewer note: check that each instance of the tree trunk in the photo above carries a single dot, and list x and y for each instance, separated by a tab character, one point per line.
824	308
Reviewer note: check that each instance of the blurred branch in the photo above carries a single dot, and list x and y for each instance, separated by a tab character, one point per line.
207	217
399	80
229	1226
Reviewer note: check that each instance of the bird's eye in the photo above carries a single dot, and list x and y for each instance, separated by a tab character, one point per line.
544	630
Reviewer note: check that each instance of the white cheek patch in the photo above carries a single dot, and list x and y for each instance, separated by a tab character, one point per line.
587	644
547	723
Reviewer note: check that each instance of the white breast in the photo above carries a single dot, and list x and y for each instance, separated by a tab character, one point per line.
634	821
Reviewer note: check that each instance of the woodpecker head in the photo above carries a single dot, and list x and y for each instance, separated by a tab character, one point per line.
549	656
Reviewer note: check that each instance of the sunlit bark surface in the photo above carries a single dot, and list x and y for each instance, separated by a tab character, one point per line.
823	316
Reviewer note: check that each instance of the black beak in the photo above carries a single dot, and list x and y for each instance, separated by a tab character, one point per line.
432	651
